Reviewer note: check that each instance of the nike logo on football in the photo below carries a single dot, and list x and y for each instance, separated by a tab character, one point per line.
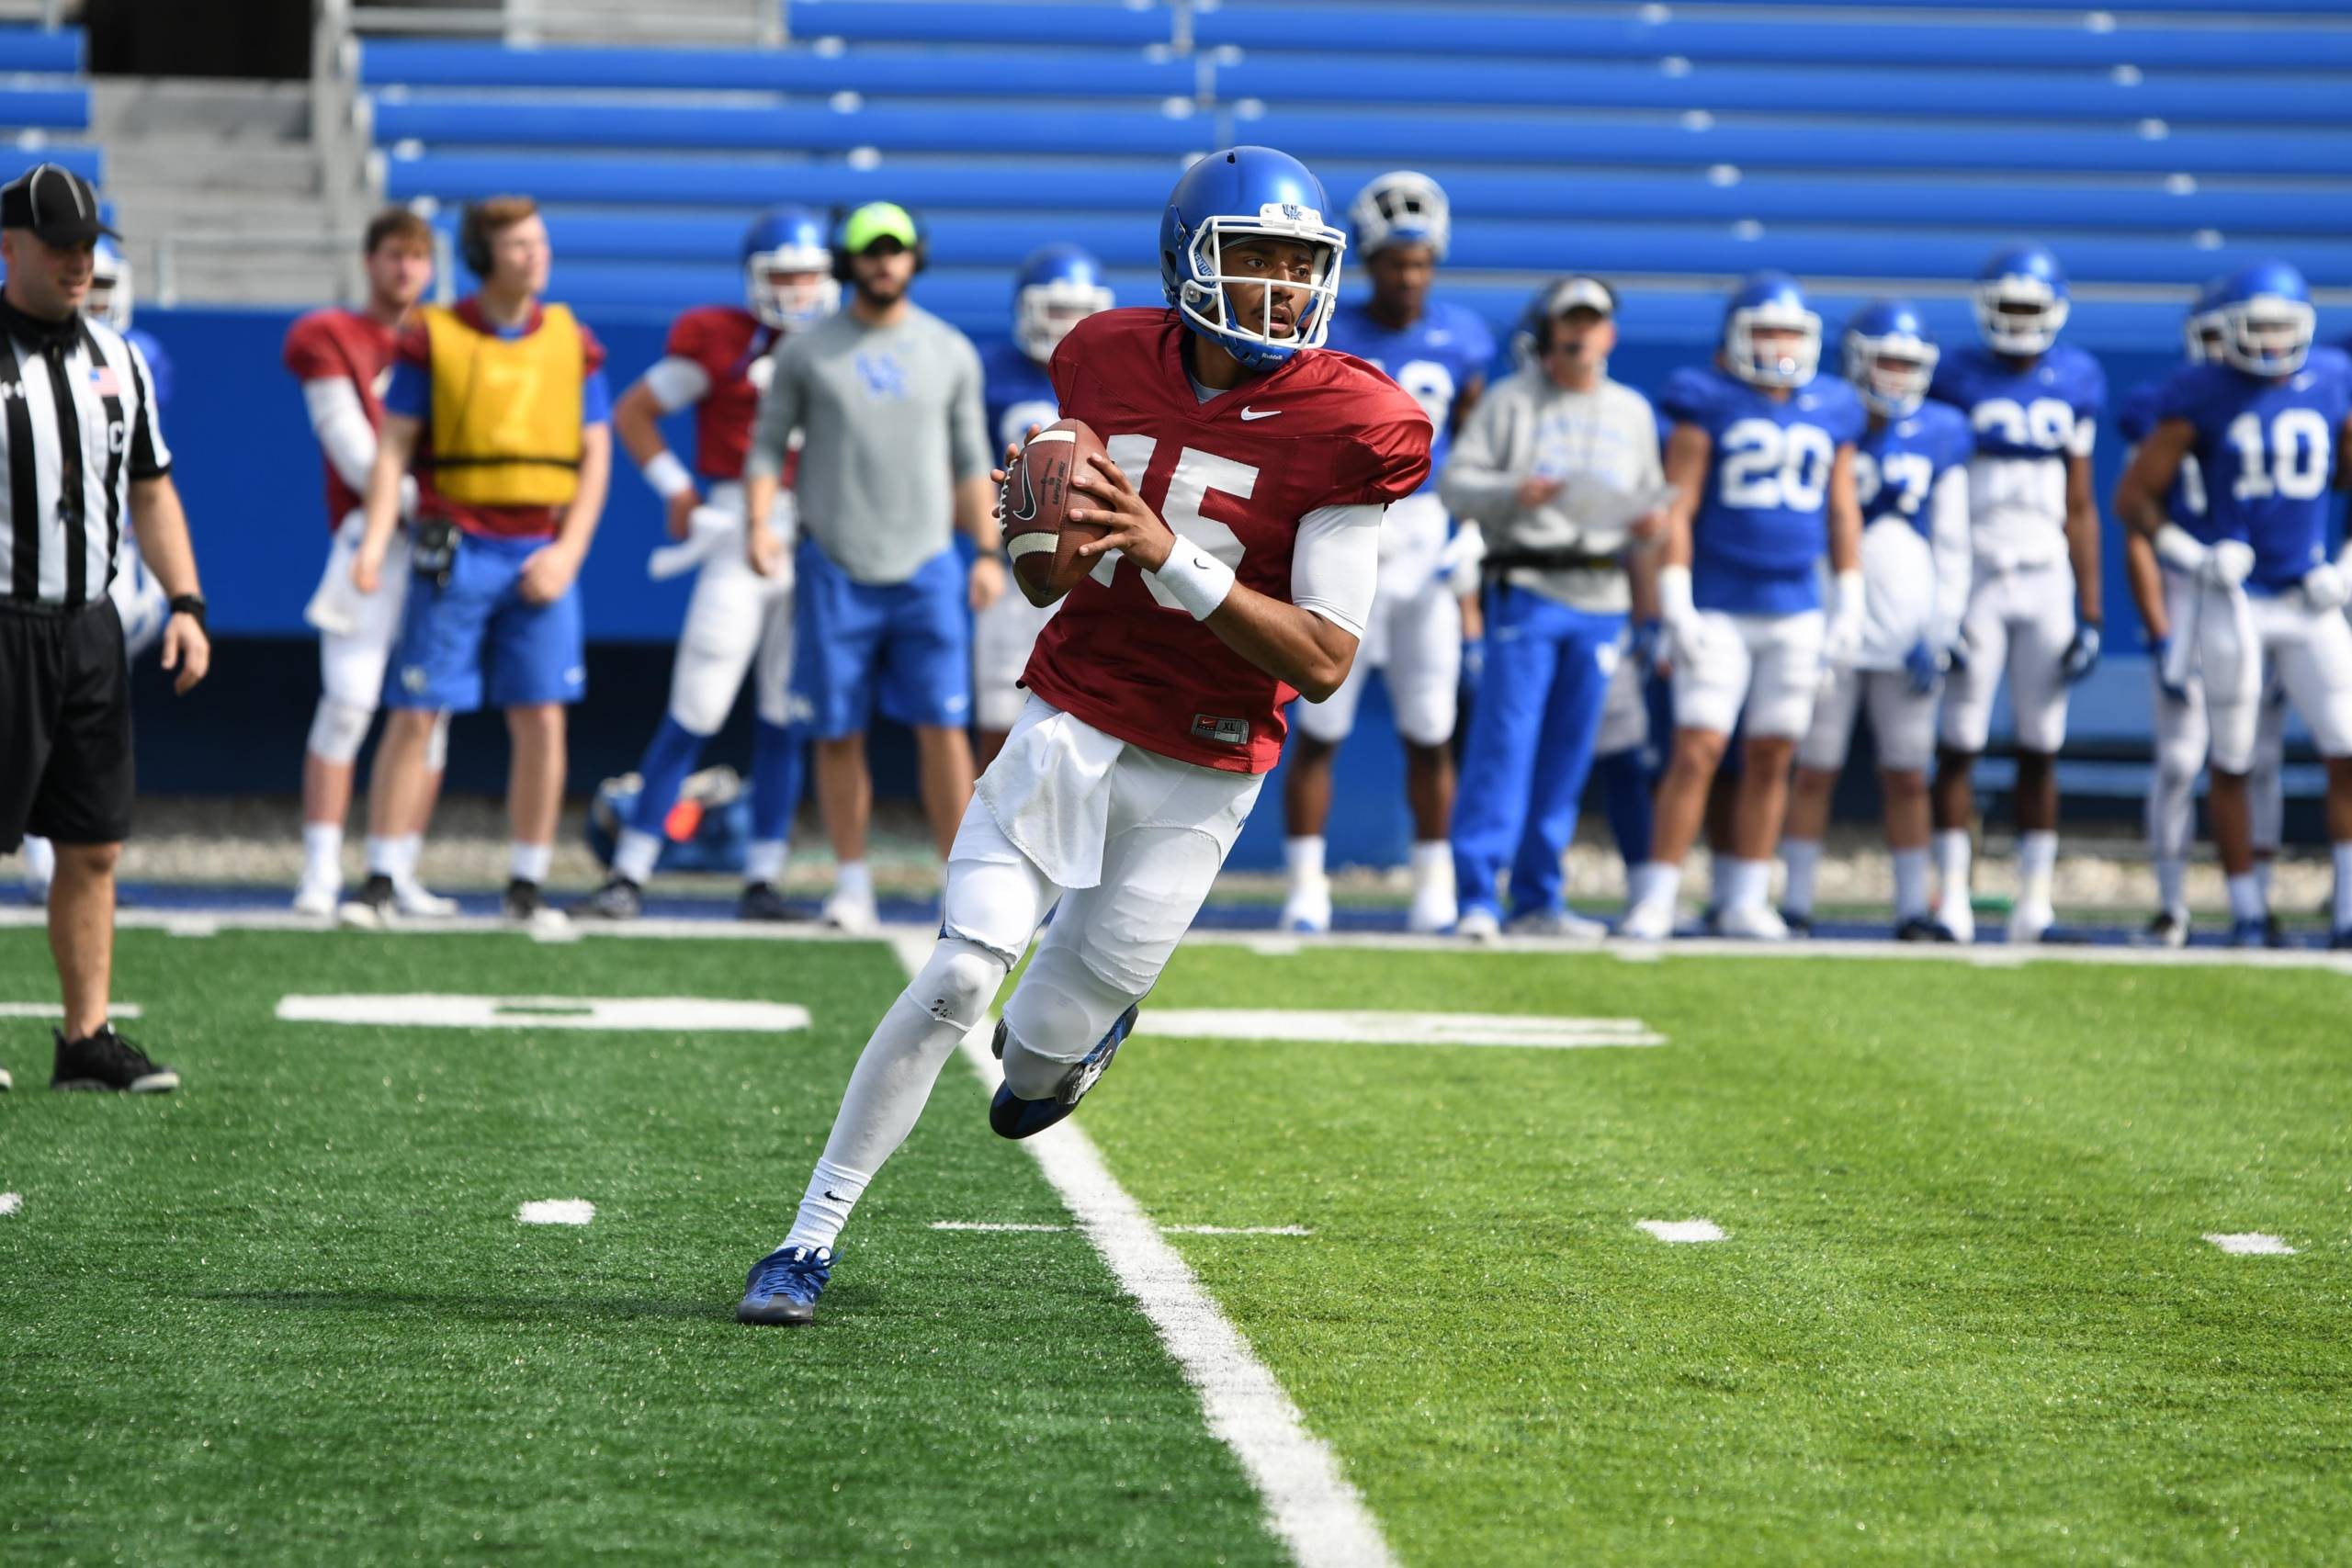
1260	414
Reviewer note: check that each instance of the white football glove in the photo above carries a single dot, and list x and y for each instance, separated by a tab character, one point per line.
1459	562
708	530
2325	588
1841	640
1686	630
2229	563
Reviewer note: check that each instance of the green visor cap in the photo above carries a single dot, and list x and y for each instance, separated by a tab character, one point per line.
878	220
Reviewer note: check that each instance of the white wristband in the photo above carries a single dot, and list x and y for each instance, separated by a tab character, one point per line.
1674	594
1846	593
1196	580
2177	547
667	475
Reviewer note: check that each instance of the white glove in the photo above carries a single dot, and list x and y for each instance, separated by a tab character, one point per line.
708	530
1686	630
1458	563
1842	639
2229	563
2325	587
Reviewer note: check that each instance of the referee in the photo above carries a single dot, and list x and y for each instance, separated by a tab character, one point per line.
82	452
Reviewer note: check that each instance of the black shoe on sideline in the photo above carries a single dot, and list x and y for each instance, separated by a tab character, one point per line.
526	907
761	901
618	899
105	1060
373	911
1918	928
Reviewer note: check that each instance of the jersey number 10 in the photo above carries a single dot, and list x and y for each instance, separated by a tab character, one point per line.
2295	463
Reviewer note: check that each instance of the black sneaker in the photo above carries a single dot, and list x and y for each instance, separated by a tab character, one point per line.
526	907
374	909
1918	928
618	899
1799	925
105	1060
761	901
2167	930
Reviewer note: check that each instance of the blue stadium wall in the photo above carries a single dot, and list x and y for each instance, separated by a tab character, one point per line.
250	473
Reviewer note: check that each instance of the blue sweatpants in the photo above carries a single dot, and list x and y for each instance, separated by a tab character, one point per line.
1530	748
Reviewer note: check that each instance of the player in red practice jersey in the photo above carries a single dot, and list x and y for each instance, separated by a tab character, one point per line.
718	361
344	358
1246	476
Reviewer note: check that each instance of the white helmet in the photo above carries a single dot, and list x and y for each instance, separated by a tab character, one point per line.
109	296
1401	207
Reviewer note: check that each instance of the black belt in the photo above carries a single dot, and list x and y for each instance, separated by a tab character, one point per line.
50	610
1552	560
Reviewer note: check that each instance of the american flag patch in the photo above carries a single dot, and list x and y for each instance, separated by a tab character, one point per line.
105	382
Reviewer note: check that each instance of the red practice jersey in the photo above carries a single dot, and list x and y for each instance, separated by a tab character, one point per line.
733	346
328	345
1235	476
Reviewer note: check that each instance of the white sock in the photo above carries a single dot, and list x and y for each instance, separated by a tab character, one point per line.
1803	858
764	861
2245	897
1303	856
2343	885
529	862
1910	884
834	1190
40	861
407	849
1655	882
323	853
2262	866
1743	884
1953	852
2172	885
2037	863
852	880
383	856
633	857
1433	860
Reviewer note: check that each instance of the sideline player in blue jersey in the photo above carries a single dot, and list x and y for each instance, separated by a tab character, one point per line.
2034	611
1055	288
2267	426
1438	353
1911	479
1762	463
2167	599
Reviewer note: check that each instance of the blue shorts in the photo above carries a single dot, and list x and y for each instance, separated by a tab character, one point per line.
905	646
479	623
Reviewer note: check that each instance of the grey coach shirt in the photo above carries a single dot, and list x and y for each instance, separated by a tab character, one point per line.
889	419
78	426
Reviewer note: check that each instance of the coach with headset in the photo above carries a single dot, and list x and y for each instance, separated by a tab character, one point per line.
885	399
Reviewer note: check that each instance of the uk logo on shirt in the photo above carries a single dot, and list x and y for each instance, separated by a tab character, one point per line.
883	374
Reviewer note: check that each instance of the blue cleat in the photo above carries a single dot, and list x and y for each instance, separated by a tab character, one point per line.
1013	1117
2262	932
784	1286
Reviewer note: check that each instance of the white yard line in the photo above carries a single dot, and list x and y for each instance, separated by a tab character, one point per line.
1310	1025
1683	1230
1309	1503
2252	1244
50	1010
702	1015
1001	1225
556	1212
11	1202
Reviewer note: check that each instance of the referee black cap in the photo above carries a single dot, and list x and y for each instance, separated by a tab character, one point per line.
58	205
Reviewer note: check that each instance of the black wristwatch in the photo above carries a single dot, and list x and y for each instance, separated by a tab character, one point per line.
191	605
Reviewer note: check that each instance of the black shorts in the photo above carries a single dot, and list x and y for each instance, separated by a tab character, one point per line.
65	760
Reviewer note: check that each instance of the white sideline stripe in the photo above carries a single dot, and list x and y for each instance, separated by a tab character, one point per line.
11	1202
556	1212
1370	1028
2251	1243
662	1014
1310	1506
656	928
50	1010
1164	1230
1684	1230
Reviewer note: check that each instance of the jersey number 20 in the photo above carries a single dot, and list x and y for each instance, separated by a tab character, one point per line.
1770	466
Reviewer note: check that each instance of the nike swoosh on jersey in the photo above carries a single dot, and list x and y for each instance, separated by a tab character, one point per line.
1260	414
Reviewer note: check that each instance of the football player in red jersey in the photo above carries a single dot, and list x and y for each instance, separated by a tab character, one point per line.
1246	472
344	358
718	361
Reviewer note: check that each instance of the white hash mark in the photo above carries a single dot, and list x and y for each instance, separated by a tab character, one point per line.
557	1211
2251	1243
1684	1230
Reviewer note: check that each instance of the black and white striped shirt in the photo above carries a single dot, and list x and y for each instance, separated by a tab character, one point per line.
78	426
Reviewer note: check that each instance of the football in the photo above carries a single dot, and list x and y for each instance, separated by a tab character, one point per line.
1036	501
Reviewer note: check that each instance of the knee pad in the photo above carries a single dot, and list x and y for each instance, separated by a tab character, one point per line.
1057	1013
437	745
337	728
957	984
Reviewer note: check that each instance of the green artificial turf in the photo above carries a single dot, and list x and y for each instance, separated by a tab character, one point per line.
287	1316
1963	1314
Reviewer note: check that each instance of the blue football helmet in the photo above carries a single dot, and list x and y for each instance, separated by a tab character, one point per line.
108	299
1890	358
1055	288
1241	194
2202	333
2021	301
1768	300
1401	207
2266	319
788	240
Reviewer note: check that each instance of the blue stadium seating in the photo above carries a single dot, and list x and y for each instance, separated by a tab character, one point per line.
44	109
86	162
960	73
35	50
